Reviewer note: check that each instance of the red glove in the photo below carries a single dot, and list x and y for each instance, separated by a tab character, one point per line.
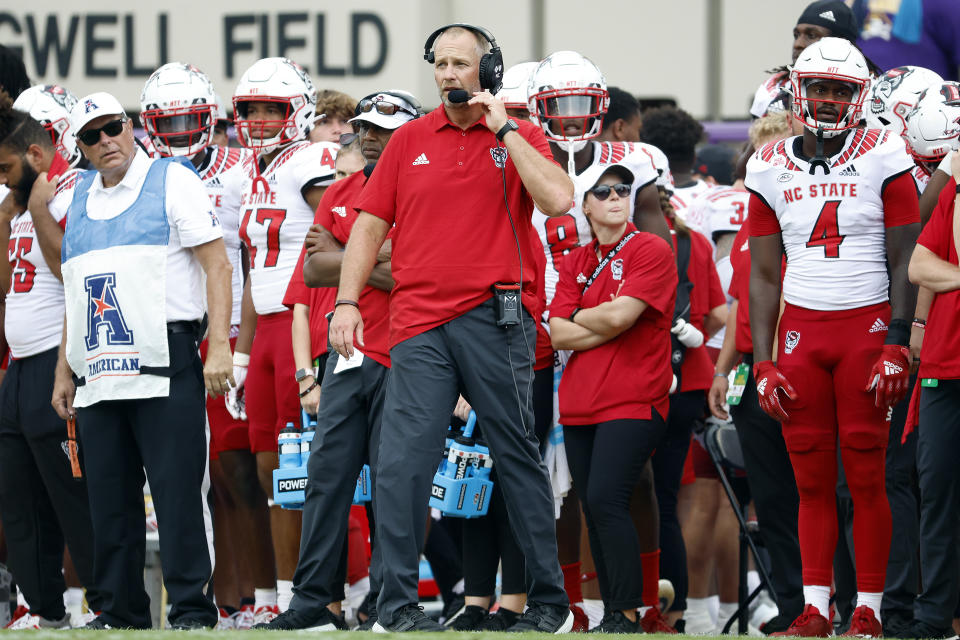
769	382
890	375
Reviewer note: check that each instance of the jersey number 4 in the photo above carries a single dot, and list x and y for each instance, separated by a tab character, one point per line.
826	231
23	271
275	218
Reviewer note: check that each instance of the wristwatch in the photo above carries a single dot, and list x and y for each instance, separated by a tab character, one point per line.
511	125
302	374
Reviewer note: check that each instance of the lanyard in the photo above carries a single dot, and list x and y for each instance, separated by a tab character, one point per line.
603	263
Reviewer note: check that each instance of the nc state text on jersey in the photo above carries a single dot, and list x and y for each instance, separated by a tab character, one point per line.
261	197
822	190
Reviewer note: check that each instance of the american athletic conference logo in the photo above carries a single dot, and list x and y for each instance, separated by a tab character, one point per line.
103	310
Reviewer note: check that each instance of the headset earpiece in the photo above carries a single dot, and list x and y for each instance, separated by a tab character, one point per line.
491	64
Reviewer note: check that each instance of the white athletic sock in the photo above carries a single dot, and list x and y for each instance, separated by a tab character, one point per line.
697	617
818	596
871	600
264	598
753	581
713	605
284	594
73	597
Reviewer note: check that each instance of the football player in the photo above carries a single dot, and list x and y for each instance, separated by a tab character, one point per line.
179	111
516	79
283	180
839	201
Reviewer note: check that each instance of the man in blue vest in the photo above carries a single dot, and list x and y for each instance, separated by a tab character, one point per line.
140	236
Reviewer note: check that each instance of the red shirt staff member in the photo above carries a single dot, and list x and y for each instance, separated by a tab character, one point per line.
934	266
459	184
613	307
839	201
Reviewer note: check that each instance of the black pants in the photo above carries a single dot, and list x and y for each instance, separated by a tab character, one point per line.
606	461
903	572
41	503
668	460
938	445
348	435
167	437
774	491
491	366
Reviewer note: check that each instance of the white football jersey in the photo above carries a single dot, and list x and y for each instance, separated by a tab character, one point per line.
832	225
725	271
920	178
767	92
721	209
275	220
34	316
684	203
222	175
562	234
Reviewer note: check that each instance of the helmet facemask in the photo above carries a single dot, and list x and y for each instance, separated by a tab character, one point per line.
180	131
570	116
266	136
809	110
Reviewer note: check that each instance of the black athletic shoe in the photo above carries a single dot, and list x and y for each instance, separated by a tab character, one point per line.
544	618
469	619
616	622
367	625
921	629
452	609
190	625
501	620
776	624
291	619
97	624
409	618
897	625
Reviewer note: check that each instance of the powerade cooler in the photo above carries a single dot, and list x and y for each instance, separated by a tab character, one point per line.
461	487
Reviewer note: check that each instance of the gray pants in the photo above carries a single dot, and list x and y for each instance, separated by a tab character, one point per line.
938	442
348	431
468	354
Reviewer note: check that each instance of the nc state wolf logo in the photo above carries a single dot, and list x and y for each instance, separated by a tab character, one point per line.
499	155
102	309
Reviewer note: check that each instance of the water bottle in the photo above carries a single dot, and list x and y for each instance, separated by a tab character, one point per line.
462	451
306	438
288	443
482	463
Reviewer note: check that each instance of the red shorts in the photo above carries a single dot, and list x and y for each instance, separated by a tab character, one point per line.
702	464
226	434
271	388
827	357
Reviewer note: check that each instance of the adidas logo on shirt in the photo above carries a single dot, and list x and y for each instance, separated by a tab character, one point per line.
878	326
214	183
421	159
340	211
828	15
849	171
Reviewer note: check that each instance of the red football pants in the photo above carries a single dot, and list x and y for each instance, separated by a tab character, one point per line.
271	388
827	357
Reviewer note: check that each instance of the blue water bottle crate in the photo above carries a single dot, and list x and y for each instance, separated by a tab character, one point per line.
461	487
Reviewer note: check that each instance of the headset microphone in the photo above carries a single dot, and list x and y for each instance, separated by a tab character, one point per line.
458	95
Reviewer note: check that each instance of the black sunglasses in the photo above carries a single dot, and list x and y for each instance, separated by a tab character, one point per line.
91	137
602	191
347	139
383	107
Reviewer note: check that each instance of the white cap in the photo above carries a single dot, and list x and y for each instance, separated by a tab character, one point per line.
403	116
92	107
589	178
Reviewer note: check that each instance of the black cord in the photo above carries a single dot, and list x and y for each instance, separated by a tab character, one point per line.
526	341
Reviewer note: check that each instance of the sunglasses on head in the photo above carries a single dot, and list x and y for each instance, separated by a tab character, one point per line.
602	191
383	107
91	137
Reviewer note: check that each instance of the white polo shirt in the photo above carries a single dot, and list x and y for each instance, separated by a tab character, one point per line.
192	222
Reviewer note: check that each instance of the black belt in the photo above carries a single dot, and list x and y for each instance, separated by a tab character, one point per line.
192	327
747	358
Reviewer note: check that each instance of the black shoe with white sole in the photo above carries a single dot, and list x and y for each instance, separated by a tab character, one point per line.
292	619
544	618
408	618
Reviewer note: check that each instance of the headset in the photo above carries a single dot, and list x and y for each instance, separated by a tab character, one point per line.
491	64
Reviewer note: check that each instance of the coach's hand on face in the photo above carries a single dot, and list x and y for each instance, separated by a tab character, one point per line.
345	323
493	109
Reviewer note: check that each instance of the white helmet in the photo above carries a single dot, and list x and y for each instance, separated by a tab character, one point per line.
567	89
281	81
829	59
50	105
933	125
221	110
894	94
516	79
178	109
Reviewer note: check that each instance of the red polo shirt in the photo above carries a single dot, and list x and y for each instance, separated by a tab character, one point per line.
940	355
627	377
707	293
740	287
319	300
441	187
337	216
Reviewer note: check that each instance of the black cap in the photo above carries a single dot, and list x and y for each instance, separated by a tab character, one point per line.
716	161
834	15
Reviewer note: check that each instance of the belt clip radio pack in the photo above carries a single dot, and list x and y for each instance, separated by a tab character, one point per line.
507	297
290	480
461	487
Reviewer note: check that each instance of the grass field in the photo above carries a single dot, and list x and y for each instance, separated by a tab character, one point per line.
78	634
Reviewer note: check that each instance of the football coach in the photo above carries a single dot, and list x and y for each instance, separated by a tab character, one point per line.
140	237
458	185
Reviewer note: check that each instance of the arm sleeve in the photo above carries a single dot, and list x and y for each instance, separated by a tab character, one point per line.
938	232
567	296
651	274
900	203
761	218
189	207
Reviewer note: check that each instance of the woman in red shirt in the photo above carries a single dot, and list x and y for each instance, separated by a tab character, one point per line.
613	307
